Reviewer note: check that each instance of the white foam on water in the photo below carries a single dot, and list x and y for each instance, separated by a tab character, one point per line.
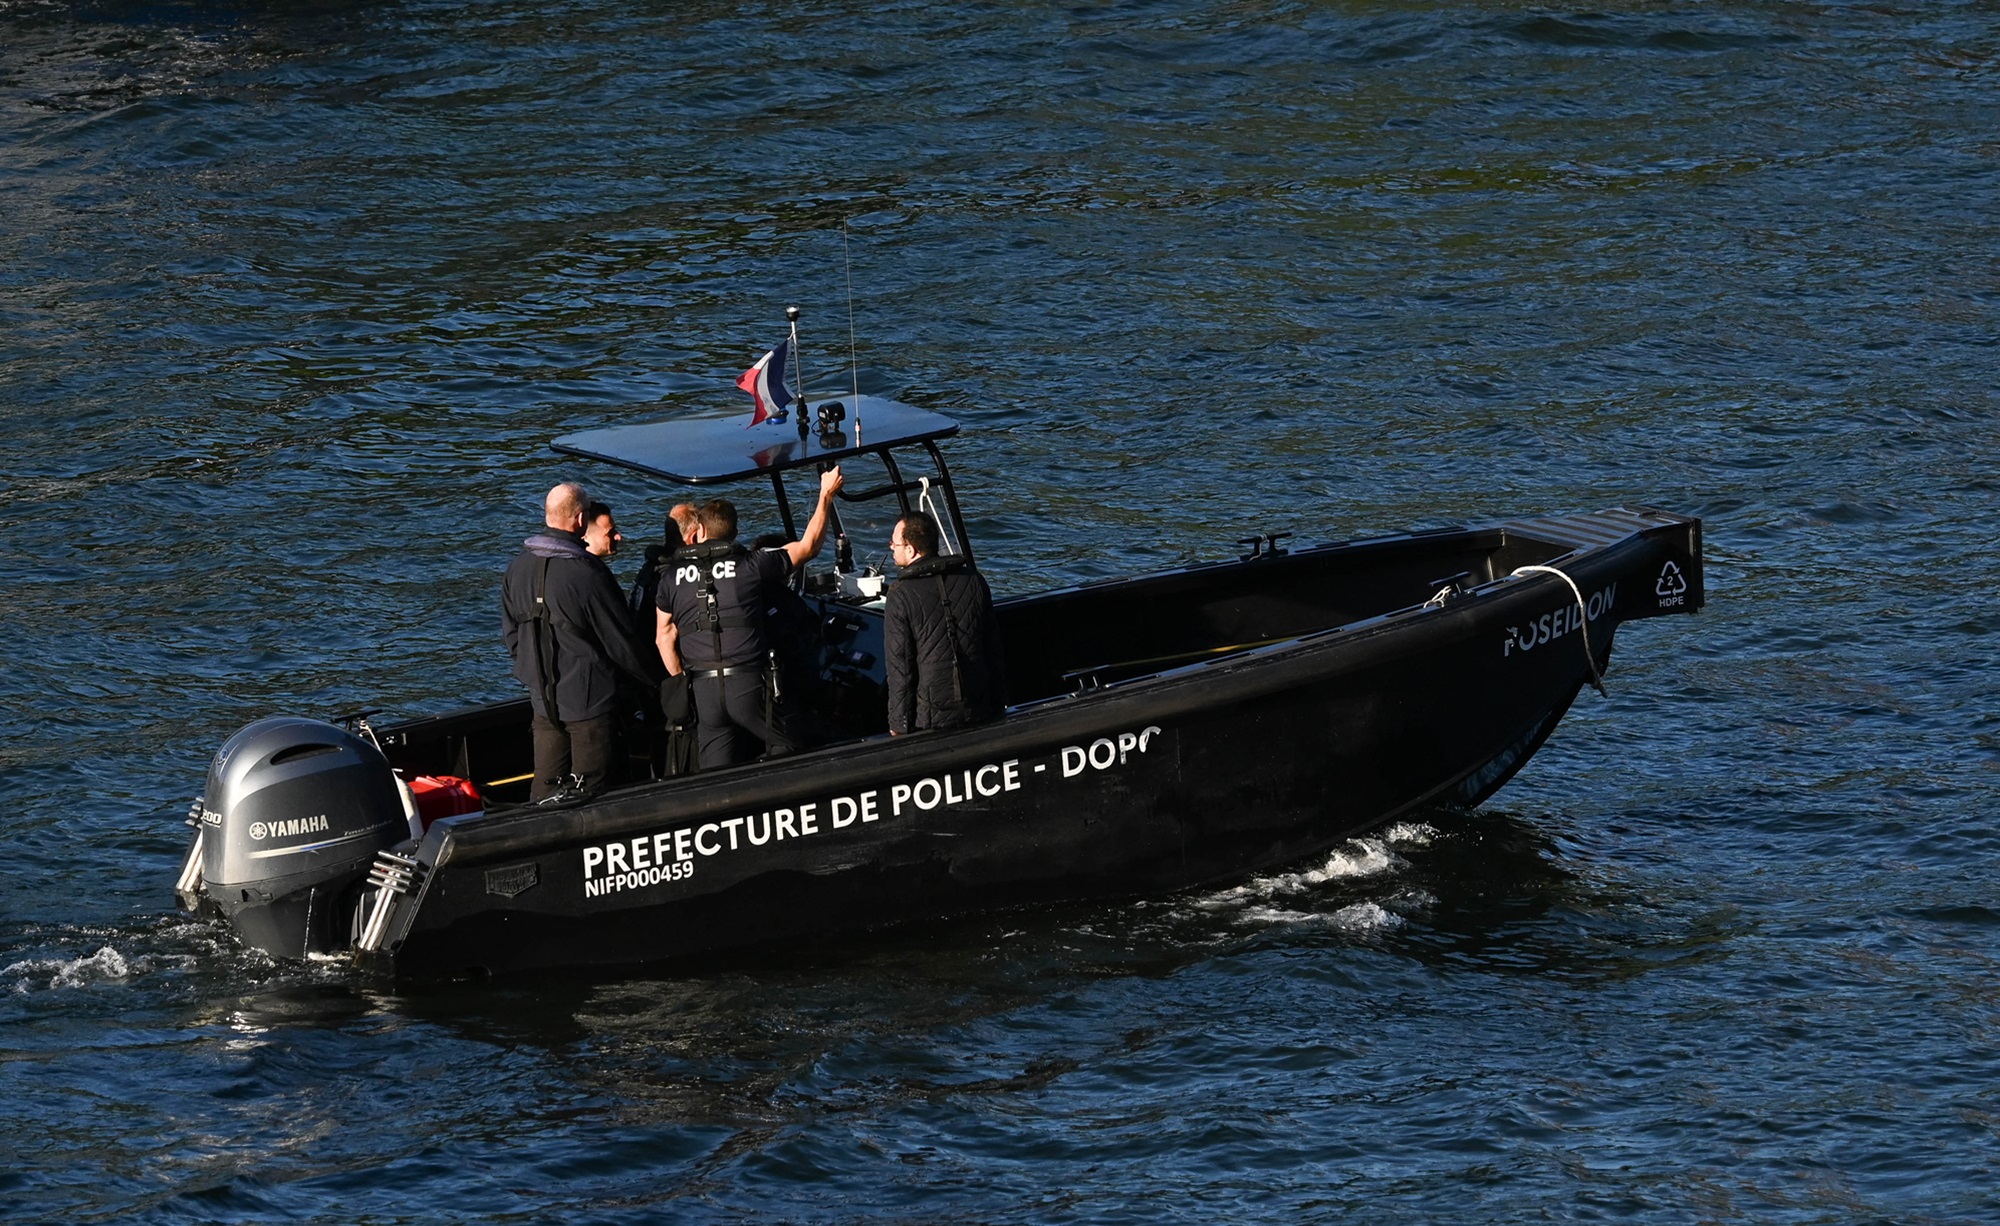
1358	918
1365	917
1357	858
1263	916
1287	899
1411	834
106	965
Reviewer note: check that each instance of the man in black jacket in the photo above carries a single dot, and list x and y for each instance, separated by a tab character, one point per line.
940	635
569	632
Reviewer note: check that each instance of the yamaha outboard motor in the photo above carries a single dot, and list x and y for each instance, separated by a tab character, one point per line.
294	813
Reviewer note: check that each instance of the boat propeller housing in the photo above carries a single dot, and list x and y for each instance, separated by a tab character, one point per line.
294	813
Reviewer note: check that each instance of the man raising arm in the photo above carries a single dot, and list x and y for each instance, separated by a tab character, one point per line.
807	546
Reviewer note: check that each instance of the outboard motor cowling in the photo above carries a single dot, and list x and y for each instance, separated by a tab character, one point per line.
294	813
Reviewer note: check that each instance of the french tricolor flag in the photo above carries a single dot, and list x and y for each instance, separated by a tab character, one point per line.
766	383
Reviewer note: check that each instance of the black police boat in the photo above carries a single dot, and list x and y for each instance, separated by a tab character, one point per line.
1176	729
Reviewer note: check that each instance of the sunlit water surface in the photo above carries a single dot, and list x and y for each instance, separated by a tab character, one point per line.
292	297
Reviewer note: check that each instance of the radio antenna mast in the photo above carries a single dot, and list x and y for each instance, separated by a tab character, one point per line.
853	359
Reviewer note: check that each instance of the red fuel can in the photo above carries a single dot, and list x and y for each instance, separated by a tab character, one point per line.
445	796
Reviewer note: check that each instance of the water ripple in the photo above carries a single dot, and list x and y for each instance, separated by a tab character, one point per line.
294	295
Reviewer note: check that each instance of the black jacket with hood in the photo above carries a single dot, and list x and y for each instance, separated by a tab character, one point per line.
943	645
586	637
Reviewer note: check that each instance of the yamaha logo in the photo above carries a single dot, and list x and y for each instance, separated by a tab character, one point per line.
316	824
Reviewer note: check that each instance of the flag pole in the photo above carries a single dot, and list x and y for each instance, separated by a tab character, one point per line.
798	369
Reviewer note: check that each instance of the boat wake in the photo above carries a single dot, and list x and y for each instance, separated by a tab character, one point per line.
107	964
1323	896
68	959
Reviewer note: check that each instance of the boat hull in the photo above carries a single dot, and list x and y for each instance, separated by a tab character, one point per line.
1197	775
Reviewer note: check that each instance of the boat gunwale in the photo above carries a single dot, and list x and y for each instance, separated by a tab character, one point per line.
1168	694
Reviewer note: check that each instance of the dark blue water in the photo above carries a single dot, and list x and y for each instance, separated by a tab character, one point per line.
292	296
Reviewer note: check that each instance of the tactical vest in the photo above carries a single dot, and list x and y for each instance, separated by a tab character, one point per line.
715	597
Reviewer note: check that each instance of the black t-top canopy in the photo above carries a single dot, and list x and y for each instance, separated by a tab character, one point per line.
709	450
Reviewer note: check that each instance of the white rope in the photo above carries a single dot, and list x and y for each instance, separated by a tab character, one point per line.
1582	619
925	505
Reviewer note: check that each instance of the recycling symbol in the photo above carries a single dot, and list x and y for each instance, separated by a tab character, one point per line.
1672	582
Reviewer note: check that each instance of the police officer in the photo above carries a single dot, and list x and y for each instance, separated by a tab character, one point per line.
659	559
711	622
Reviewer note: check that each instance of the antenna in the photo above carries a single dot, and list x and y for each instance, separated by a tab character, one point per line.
853	359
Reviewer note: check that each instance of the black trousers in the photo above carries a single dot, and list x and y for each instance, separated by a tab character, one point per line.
572	747
729	715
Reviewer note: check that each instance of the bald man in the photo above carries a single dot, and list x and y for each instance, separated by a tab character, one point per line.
569	632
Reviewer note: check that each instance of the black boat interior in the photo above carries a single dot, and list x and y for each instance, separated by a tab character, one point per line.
1058	643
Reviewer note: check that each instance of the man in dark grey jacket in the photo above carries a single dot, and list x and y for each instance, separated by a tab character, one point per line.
568	629
940	635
